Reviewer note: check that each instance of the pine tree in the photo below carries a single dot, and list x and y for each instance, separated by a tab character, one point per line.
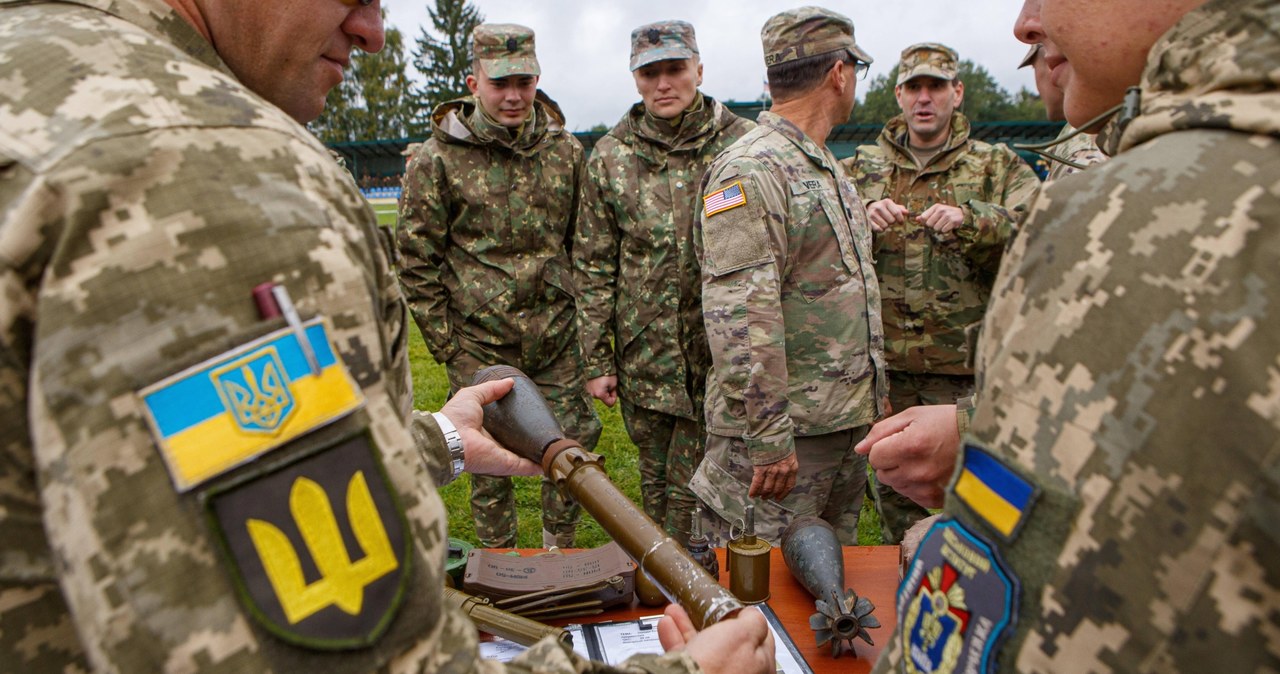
443	61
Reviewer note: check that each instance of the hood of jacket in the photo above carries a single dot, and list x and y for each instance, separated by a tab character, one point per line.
459	122
893	139
654	141
1217	68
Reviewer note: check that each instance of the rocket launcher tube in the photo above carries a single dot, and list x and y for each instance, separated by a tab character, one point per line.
502	623
522	422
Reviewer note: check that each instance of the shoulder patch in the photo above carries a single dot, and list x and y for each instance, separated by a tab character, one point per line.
724	199
248	401
994	492
957	603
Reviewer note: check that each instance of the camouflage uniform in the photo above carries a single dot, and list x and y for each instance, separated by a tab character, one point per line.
139	182
1081	149
791	308
935	286
638	281
486	223
1128	408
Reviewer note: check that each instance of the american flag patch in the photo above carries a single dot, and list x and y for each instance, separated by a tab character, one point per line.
729	197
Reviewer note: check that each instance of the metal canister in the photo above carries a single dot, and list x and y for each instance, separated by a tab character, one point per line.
748	561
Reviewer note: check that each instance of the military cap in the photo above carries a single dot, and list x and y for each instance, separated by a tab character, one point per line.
504	49
1030	57
808	31
662	41
928	59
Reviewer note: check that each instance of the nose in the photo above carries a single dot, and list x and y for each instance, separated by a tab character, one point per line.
364	25
1028	28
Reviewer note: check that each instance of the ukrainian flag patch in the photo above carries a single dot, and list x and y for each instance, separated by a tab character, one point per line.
994	492
730	197
246	402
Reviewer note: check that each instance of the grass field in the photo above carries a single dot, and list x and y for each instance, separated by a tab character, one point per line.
385	210
431	387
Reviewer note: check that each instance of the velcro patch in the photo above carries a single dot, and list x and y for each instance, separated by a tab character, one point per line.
994	492
246	402
957	603
319	549
724	199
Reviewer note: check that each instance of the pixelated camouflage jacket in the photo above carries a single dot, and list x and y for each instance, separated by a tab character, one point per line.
486	227
934	285
1130	370
139	182
636	273
789	295
1081	148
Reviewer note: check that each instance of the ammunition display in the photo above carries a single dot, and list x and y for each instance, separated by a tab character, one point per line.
522	422
813	556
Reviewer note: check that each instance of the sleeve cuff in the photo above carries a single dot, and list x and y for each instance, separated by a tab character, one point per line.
432	447
772	449
964	414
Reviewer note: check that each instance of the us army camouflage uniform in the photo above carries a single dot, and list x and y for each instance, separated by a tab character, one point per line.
144	192
1128	370
638	286
791	308
486	223
935	286
1081	149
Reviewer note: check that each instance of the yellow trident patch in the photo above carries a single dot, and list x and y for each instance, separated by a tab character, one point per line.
319	548
342	581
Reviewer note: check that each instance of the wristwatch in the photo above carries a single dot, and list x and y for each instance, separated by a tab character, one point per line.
453	440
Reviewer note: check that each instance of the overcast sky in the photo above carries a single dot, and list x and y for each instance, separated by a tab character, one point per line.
584	47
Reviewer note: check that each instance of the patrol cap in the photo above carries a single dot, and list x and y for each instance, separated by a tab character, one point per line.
662	41
928	59
808	31
1030	57
504	49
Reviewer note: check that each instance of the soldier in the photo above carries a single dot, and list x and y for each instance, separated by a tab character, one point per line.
1114	509
789	298
1079	149
487	219
941	205
165	446
636	272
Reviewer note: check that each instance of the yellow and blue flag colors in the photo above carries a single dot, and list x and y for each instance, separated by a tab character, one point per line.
241	404
993	491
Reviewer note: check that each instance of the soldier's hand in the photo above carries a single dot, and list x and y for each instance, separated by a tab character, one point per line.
775	480
942	218
604	389
739	645
884	213
915	452
481	453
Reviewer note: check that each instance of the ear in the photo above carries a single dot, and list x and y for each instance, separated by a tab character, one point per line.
836	77
897	95
959	91
473	85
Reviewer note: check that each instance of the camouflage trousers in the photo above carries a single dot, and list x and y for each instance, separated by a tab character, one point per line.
897	512
671	448
493	502
830	484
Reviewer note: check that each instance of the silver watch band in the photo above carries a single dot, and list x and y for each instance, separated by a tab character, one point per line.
453	440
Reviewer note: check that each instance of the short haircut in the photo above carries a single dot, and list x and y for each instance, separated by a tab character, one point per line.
793	78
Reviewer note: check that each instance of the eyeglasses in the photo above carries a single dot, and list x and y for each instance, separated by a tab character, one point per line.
860	69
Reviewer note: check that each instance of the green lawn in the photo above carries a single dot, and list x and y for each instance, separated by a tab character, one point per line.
386	212
431	387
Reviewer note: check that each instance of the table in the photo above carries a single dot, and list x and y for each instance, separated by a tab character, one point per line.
872	572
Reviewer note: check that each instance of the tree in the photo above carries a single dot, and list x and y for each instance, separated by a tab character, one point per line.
984	99
373	101
443	61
